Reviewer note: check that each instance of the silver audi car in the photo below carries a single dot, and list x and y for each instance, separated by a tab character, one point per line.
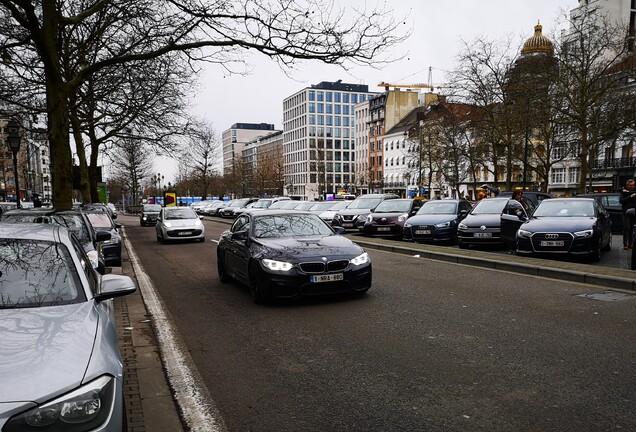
61	368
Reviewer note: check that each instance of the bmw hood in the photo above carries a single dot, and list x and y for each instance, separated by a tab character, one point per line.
296	249
44	351
559	224
432	219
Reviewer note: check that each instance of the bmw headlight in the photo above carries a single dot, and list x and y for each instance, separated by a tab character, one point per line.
462	226
584	234
443	225
112	241
167	224
521	233
361	259
83	409
403	217
277	265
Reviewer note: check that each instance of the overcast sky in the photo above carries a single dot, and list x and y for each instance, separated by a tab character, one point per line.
438	27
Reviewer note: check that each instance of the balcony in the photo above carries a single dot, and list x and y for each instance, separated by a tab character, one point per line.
614	163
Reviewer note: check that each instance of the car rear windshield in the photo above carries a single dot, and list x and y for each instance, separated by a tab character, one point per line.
37	274
99	220
296	225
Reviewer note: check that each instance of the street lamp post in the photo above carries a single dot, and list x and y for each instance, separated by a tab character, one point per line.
13	140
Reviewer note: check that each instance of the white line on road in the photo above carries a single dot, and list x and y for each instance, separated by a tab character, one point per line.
197	408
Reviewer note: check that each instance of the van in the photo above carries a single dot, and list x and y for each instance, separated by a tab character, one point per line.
355	215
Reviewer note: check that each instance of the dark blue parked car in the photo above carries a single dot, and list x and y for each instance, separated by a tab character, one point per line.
436	221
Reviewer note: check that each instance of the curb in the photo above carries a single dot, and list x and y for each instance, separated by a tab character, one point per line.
567	271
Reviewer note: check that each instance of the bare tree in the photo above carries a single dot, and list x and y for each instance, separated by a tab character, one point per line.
480	79
35	33
202	155
593	103
131	166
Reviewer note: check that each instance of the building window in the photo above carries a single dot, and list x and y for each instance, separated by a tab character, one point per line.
329	97
336	97
336	109
312	95
558	175
574	175
312	119
312	107
345	98
321	96
329	109
354	98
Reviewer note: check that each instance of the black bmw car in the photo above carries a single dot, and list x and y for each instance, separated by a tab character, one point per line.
290	253
566	226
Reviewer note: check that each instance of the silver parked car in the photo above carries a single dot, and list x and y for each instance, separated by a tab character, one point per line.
61	368
179	223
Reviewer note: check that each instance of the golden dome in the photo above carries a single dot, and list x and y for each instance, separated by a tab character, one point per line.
538	43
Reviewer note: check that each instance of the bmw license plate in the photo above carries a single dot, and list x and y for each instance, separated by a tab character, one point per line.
384	229
484	234
551	243
422	232
185	233
326	278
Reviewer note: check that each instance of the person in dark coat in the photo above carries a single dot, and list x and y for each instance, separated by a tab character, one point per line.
36	201
628	201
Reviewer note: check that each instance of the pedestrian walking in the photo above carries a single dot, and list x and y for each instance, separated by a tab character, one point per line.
628	201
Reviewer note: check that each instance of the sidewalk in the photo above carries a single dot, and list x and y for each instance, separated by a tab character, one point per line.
150	406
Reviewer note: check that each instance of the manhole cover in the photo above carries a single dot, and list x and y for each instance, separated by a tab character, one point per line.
608	296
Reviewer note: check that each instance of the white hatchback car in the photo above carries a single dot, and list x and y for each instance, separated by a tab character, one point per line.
179	223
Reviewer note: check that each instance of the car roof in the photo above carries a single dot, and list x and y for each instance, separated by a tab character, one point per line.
30	231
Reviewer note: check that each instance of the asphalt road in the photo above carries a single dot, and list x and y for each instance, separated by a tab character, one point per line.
432	347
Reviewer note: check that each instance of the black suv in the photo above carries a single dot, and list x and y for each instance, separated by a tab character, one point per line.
353	217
